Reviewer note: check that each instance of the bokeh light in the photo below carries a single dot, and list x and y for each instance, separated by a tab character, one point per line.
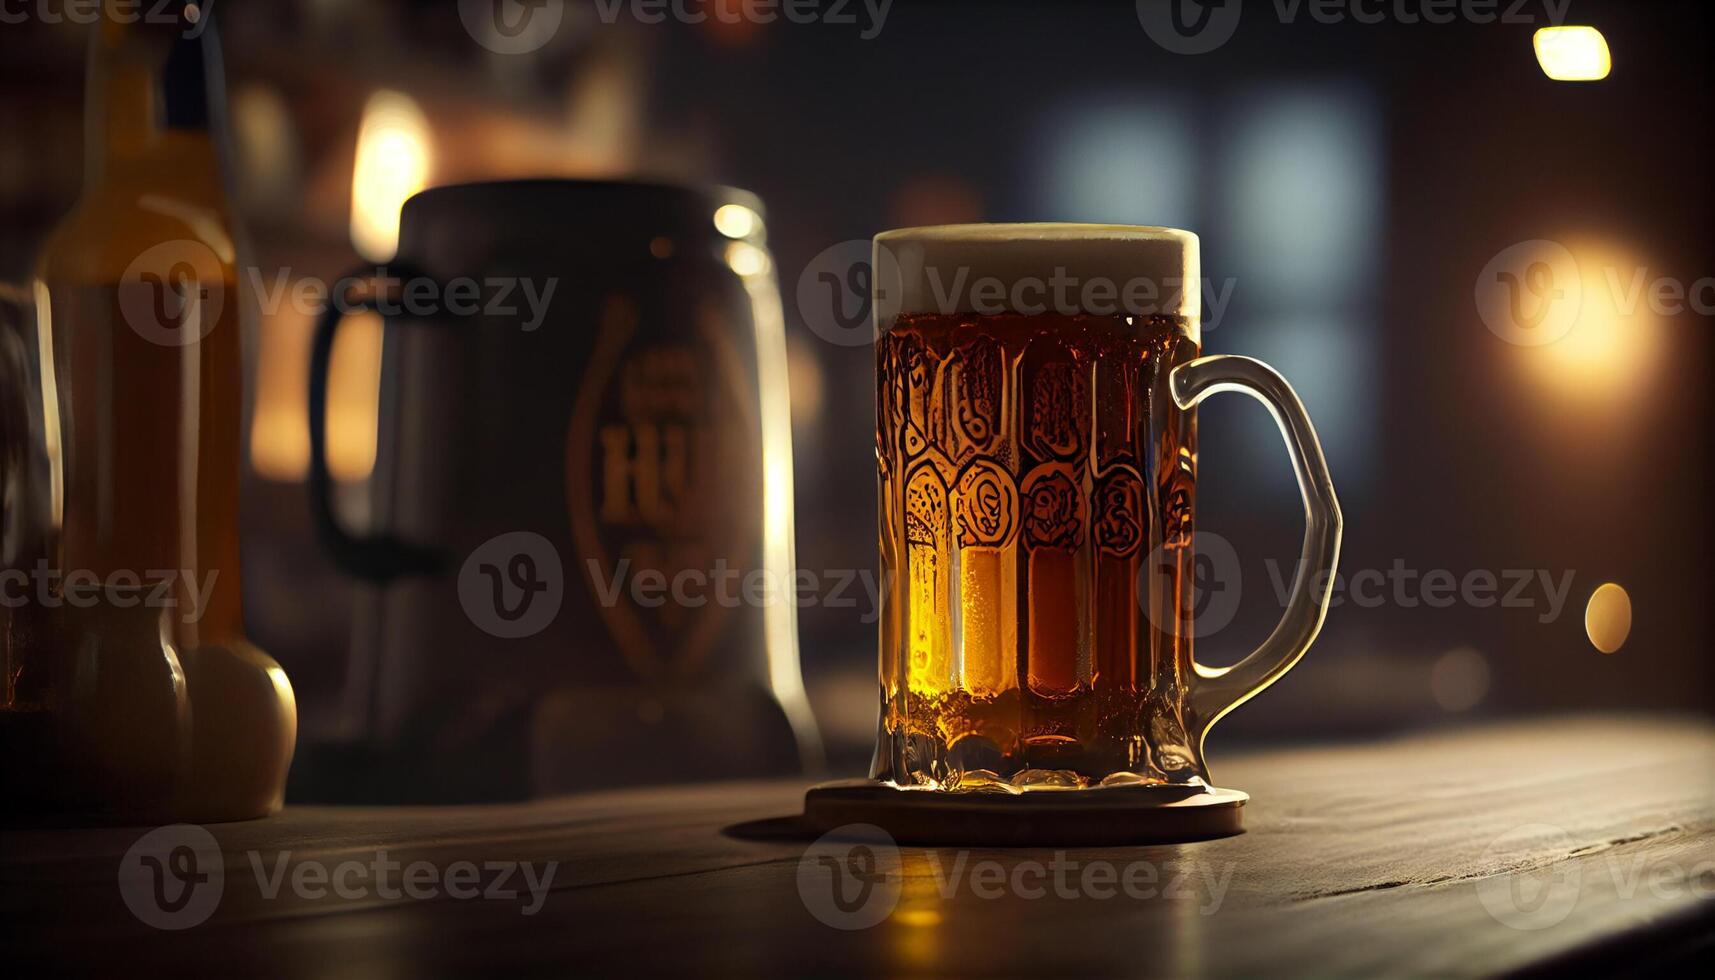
1608	617
1614	341
737	221
392	164
1572	53
1459	679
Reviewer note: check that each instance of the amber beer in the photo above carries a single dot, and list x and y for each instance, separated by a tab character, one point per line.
1037	459
1036	483
1038	464
143	349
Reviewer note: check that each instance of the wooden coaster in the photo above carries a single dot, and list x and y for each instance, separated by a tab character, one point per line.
1067	818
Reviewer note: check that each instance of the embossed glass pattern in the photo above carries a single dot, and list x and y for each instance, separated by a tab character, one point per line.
1030	467
1037	473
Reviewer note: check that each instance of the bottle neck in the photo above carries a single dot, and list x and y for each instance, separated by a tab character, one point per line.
154	94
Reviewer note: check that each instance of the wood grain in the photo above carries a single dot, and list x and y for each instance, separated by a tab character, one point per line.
1359	860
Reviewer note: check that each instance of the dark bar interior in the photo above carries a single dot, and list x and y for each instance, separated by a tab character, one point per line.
742	487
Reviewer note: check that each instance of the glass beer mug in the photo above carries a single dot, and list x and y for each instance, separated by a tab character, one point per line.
1037	388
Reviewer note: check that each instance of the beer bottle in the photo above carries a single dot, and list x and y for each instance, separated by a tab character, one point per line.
142	381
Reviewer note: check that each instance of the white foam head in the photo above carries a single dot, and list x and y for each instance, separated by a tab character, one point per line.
1125	270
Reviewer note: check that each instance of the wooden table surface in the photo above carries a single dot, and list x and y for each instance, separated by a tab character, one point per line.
1587	841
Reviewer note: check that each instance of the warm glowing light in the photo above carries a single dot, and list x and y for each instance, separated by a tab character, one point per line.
50	397
1608	617
263	131
354	394
1614	332
280	428
737	221
392	164
1572	54
746	259
918	916
780	619
920	946
806	373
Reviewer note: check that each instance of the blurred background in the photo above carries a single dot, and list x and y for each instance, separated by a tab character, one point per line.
1350	182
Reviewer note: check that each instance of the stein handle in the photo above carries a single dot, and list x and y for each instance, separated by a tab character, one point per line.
1218	690
375	557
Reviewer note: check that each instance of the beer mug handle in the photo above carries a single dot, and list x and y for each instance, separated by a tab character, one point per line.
1218	690
376	557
